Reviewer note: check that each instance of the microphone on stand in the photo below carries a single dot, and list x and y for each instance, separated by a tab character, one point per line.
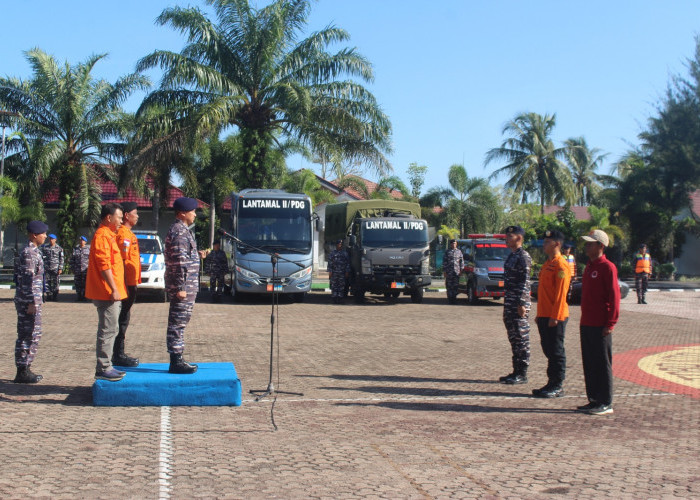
222	232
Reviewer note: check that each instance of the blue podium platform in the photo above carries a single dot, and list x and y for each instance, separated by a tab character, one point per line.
150	384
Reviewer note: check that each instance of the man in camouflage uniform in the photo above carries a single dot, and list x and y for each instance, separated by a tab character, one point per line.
28	299
79	264
53	267
181	280
338	271
452	265
216	265
516	308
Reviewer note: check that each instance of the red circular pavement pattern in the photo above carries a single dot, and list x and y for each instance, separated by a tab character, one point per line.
670	368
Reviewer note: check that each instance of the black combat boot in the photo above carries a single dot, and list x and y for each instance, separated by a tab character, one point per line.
25	376
119	358
179	365
510	375
519	376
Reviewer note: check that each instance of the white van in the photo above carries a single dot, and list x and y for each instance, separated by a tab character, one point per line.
152	263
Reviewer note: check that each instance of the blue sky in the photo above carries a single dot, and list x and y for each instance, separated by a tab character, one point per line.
449	73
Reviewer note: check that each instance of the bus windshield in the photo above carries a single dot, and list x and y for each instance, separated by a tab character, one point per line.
394	233
275	224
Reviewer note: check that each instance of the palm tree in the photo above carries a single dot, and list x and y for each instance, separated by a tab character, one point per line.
532	162
249	70
583	163
73	122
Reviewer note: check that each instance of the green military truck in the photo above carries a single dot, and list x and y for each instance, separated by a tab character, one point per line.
388	246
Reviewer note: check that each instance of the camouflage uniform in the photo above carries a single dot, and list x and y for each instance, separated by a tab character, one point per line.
30	279
338	266
516	279
216	264
181	274
79	264
452	265
53	262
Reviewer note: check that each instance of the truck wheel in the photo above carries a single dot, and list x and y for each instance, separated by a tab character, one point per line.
417	295
359	296
471	294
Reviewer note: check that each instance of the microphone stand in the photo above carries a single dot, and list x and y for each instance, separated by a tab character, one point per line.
270	390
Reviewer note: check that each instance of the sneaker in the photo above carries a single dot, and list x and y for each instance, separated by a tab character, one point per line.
601	410
587	407
549	391
112	375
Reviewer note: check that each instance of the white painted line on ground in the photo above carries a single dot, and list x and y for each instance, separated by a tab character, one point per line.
445	398
166	452
675	290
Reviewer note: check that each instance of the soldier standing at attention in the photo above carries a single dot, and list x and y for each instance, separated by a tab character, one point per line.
642	270
181	280
600	310
105	287
216	263
553	314
28	299
338	271
129	249
452	265
79	263
53	266
516	304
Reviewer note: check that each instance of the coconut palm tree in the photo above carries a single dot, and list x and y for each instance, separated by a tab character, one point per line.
583	163
533	164
74	123
248	69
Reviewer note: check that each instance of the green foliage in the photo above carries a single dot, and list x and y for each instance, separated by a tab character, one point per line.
249	68
416	177
71	125
533	164
667	271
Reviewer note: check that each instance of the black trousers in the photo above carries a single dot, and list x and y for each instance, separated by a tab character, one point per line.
125	314
596	353
552	341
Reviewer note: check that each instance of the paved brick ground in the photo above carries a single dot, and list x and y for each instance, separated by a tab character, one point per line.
399	402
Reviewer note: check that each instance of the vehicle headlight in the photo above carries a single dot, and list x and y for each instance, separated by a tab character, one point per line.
158	266
424	266
248	274
366	266
481	271
300	274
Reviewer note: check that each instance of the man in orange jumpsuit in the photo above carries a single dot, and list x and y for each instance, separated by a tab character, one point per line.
553	314
129	248
105	287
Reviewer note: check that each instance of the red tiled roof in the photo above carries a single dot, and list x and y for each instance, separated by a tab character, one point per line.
109	194
371	188
580	212
695	202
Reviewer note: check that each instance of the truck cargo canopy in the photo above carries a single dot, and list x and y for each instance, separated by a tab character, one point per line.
339	216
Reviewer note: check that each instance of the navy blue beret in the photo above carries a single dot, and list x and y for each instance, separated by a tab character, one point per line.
128	206
37	227
83	238
553	234
185	204
515	230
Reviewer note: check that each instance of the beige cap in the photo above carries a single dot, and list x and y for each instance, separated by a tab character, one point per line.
597	235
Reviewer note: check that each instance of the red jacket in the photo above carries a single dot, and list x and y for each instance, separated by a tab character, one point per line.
600	294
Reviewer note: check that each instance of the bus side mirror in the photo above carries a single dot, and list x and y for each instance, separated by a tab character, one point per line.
319	225
352	240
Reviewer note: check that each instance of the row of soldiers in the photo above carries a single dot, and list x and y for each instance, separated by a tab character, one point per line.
113	274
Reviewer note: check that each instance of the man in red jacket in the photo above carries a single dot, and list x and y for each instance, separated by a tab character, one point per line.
600	309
